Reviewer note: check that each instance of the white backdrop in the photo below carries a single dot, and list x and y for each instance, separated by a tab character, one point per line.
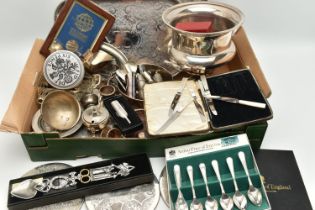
281	32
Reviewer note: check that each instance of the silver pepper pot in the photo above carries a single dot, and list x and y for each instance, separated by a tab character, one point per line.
95	118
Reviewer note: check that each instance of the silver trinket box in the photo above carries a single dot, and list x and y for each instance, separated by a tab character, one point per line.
63	70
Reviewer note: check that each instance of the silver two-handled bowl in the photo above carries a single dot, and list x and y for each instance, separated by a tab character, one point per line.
203	49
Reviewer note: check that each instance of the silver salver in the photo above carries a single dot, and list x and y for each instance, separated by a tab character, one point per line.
164	187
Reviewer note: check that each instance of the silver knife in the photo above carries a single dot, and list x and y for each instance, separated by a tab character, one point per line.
208	94
198	106
178	95
239	101
174	115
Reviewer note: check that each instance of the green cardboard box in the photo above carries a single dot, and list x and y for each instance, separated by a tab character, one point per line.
49	146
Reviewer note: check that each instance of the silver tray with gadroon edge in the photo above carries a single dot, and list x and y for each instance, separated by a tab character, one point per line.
139	31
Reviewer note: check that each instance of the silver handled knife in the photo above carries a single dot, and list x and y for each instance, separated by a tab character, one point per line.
198	106
178	95
239	101
208	94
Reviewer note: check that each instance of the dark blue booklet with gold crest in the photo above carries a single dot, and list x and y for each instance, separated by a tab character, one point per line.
282	180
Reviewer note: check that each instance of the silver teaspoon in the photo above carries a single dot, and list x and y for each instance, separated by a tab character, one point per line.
181	203
253	193
211	203
239	198
226	201
195	204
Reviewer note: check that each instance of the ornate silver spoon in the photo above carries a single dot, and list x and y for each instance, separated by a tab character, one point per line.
239	198
226	201
253	193
181	203
195	204
211	203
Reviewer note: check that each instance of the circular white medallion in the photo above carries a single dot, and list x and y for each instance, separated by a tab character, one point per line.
63	70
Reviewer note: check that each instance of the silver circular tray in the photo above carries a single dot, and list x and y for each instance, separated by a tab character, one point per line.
39	126
164	187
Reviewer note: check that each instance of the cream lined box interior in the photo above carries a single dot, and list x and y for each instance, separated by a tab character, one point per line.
157	101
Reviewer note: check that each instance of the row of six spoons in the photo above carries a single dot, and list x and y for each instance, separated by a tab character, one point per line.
226	202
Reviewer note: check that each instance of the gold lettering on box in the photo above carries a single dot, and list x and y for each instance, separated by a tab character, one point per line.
273	188
276	188
198	149
77	34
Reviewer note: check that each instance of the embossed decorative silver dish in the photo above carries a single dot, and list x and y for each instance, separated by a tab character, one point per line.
142	197
139	31
63	70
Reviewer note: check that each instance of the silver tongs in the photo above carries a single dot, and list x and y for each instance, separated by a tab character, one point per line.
203	84
198	106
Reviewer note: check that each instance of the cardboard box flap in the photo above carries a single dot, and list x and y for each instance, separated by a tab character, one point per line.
248	57
22	108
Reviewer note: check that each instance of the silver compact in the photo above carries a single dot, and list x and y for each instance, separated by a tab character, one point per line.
63	70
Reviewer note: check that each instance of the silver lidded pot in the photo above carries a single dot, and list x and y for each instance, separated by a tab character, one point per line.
203	49
95	118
